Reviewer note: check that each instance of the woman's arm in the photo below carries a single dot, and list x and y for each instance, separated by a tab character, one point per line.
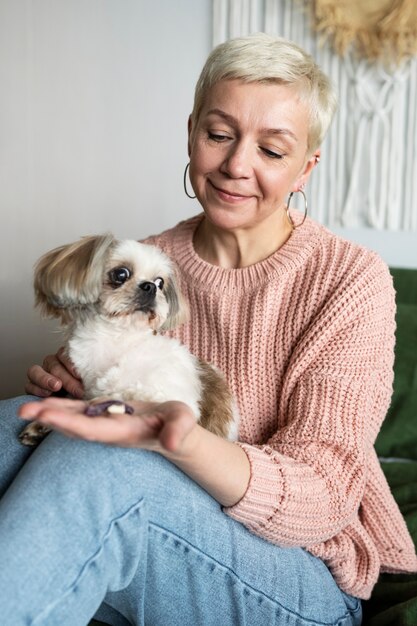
219	466
308	480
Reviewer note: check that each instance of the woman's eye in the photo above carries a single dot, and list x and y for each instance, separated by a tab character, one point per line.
159	282
119	275
217	137
271	154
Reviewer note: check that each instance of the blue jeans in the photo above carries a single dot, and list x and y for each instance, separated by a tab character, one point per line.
92	530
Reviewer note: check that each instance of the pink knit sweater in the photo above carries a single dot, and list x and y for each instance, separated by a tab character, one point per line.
305	339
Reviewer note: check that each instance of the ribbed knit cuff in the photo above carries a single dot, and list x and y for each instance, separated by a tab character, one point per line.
264	494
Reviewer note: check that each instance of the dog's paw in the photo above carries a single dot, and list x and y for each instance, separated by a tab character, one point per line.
33	434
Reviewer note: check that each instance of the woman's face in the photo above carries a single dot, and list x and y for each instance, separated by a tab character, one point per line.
248	151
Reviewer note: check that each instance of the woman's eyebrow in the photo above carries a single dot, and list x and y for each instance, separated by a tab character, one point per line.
280	131
226	116
264	131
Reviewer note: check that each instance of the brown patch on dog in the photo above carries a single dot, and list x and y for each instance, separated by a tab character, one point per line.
33	434
216	413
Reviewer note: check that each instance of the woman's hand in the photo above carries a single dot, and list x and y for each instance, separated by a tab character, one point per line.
162	427
57	372
170	428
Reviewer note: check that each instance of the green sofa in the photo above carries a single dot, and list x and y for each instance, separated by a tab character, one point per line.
394	600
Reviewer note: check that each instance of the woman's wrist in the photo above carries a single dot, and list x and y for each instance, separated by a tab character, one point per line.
219	466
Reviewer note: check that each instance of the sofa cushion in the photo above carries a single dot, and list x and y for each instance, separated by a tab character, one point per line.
398	436
394	598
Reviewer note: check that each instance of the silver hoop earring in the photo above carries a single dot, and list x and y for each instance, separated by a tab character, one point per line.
291	221
185	182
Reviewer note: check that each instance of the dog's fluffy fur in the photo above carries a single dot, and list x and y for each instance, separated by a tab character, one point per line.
113	297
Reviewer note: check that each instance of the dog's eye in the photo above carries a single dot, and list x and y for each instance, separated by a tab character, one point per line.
159	282
119	276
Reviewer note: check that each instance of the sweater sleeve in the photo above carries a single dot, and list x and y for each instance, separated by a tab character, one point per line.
308	480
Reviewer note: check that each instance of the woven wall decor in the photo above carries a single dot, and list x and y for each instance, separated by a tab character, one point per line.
383	30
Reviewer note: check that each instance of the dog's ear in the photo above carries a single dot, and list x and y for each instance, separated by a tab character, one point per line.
70	277
178	309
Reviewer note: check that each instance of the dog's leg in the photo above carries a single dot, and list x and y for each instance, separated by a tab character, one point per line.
33	434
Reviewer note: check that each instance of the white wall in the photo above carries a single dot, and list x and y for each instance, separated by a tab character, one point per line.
397	248
94	101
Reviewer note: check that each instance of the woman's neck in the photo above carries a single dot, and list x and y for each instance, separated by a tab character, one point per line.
233	249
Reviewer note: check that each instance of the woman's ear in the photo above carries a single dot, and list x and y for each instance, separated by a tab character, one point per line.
308	168
190	130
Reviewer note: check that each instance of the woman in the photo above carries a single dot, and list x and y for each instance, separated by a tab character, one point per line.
293	524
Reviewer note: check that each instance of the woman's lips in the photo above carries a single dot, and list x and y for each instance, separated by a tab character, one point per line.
229	196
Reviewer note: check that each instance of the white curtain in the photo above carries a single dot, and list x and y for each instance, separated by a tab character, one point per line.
368	172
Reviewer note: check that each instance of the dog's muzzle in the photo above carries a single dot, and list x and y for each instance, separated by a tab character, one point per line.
148	287
145	296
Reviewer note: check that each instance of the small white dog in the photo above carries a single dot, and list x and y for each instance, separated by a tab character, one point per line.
113	297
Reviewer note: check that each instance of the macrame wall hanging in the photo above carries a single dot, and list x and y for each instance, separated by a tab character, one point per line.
368	171
379	30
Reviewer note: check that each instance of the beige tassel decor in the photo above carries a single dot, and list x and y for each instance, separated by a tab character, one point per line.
376	29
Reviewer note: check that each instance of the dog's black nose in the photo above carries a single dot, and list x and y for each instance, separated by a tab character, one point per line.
148	287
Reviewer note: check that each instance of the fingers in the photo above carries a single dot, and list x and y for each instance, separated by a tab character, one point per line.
41	383
154	427
62	370
35	410
67	363
120	430
57	372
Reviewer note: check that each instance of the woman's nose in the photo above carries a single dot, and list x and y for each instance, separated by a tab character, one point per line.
238	161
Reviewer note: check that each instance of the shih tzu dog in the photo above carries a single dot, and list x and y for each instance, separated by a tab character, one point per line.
113	298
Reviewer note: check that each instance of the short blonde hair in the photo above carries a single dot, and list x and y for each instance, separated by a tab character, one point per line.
265	59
